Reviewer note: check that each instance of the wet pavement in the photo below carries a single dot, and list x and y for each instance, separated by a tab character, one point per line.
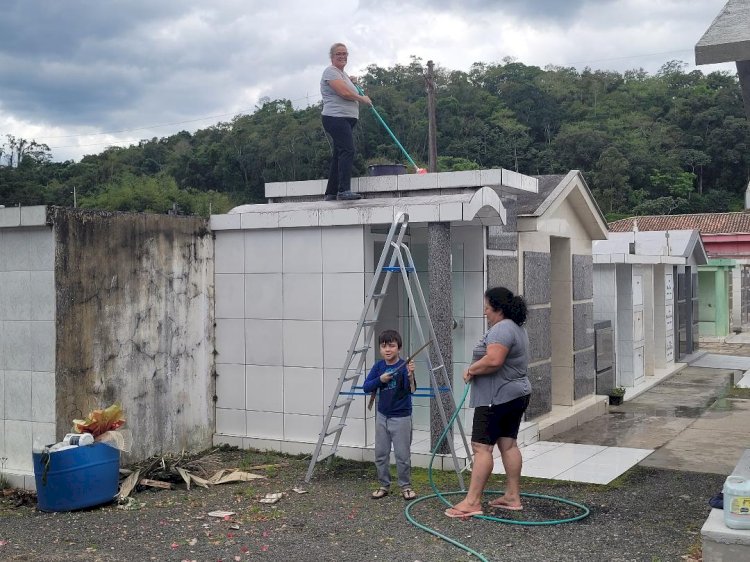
686	418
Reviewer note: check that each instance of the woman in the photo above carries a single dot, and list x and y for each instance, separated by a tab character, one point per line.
340	114
500	395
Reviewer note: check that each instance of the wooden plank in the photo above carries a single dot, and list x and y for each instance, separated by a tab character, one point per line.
155	484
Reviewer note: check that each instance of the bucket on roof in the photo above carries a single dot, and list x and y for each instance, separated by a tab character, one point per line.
386	169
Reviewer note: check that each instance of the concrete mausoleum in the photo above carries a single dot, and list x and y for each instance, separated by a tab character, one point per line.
291	278
645	285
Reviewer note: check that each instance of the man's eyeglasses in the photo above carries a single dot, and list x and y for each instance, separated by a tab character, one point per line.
341	54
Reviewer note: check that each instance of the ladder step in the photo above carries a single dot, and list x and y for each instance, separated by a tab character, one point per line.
364	349
343	403
352	377
369	322
378	296
335	429
438	368
396	268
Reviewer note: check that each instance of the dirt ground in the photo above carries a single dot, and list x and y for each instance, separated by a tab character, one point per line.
647	514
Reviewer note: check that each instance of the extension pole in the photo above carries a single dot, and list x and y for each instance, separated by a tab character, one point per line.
387	128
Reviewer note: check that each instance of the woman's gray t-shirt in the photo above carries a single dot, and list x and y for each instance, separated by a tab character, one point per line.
333	104
509	381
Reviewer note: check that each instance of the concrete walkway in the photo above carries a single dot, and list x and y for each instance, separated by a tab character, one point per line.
686	419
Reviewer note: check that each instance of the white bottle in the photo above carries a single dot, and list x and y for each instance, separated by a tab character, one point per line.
737	502
78	439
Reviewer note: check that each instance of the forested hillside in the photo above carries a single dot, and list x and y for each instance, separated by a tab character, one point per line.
672	142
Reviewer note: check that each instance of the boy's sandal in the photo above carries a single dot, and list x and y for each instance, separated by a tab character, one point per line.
408	494
379	493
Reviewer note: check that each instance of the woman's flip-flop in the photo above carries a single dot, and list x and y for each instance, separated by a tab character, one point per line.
499	503
379	493
455	513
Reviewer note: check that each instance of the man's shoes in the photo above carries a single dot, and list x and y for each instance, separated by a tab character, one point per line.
330	198
348	196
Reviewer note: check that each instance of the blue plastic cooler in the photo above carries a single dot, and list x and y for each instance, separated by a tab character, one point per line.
76	478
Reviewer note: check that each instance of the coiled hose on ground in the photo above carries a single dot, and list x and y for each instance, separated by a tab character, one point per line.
441	496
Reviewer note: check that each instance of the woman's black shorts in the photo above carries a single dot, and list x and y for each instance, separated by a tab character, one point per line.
500	420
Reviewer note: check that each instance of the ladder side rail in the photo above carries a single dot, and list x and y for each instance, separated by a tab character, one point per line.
329	416
420	333
345	411
401	222
423	303
342	376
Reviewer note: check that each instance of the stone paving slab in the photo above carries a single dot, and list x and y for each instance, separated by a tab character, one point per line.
685	419
716	361
712	443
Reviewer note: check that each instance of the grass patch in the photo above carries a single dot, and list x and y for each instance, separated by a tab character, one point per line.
737	392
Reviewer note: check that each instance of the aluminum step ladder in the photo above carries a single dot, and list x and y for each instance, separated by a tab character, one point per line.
399	260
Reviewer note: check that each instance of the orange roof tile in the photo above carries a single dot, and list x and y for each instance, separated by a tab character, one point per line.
706	223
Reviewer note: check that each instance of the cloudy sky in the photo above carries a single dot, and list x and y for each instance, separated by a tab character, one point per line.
80	75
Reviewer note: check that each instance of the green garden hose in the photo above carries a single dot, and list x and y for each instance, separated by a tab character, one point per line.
388	129
584	510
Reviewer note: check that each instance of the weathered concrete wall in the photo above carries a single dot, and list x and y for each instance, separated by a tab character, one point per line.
135	325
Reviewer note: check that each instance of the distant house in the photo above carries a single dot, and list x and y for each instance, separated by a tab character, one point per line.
726	236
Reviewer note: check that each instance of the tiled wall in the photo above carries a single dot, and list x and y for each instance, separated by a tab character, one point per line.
287	305
27	344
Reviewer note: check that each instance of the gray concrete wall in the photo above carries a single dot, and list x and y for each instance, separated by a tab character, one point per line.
583	326
135	325
537	284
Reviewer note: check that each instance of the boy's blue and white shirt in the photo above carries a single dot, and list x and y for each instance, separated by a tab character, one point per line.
395	396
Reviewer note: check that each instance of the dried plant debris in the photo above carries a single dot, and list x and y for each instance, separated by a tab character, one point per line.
203	469
18	497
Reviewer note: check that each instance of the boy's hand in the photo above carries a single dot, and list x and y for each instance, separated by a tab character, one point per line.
385	378
410	367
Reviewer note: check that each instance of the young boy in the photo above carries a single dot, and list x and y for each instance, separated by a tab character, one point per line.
394	379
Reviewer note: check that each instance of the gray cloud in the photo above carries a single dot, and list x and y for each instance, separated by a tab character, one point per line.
76	67
71	62
536	10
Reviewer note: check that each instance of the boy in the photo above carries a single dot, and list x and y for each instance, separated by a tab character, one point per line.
395	381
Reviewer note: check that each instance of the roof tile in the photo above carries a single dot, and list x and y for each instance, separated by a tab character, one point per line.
706	223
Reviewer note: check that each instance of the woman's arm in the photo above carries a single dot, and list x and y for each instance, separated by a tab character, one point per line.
491	362
342	90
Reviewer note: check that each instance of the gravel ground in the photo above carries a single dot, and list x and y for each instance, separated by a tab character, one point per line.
647	514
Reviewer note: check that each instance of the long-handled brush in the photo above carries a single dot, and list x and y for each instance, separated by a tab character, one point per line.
387	128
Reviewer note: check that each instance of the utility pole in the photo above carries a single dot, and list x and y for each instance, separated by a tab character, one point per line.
440	305
431	120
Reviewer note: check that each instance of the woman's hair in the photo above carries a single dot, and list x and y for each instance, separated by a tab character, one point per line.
512	306
334	47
